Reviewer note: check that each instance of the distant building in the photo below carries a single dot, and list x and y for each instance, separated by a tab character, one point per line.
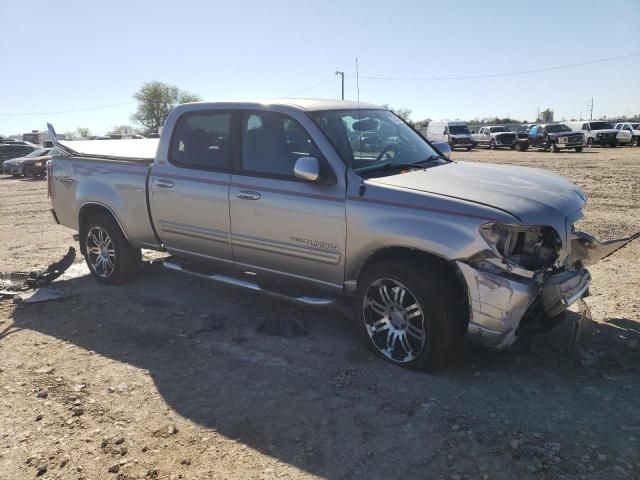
546	116
39	138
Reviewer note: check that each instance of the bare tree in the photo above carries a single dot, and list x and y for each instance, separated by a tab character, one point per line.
155	101
403	113
83	132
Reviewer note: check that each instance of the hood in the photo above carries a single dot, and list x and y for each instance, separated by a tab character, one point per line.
37	159
16	161
565	134
534	196
606	130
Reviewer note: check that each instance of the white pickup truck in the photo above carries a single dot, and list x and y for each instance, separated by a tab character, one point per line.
628	133
283	197
495	137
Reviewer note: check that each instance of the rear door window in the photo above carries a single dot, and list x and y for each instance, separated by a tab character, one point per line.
203	140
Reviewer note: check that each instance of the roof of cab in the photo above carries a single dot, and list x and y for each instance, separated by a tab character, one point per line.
307	104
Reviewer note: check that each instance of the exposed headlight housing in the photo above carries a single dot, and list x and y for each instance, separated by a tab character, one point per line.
563	139
532	247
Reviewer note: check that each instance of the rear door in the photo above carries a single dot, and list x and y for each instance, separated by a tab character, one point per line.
281	224
190	193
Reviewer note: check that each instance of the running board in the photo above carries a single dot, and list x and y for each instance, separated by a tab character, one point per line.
309	301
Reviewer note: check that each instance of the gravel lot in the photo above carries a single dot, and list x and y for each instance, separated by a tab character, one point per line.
170	378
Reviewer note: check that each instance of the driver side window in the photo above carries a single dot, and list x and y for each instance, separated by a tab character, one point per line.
272	143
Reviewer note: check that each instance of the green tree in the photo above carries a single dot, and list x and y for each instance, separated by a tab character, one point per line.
403	113
155	101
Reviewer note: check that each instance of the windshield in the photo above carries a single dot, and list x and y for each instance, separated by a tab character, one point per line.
600	125
559	127
366	138
498	129
458	129
39	153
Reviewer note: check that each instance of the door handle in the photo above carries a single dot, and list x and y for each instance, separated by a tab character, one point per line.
248	195
164	183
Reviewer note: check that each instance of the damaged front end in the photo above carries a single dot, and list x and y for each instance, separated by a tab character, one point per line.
527	278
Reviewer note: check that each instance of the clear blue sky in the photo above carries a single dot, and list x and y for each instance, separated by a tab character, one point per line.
67	55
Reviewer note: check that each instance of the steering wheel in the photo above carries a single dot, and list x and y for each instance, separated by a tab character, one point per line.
386	150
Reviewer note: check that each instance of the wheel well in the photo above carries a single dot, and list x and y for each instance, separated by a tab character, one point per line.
91	210
425	260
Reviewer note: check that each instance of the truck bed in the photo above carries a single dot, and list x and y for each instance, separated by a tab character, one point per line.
139	150
111	177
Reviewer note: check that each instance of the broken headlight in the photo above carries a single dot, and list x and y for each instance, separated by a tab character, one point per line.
530	247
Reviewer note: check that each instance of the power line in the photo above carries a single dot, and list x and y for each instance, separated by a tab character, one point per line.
310	88
102	107
505	74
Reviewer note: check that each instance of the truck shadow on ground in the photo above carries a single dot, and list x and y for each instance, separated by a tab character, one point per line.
319	401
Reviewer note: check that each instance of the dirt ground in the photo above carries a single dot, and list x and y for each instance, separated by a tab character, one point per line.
170	377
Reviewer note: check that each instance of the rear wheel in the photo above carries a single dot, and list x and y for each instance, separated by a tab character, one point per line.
110	257
635	141
578	149
409	315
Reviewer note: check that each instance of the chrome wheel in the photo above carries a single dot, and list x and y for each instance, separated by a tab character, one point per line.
394	320
100	252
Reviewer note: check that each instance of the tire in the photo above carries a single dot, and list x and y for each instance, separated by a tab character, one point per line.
553	146
418	307
579	149
492	145
522	147
468	149
102	240
590	142
635	142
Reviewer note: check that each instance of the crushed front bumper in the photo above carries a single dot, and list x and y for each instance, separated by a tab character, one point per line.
498	301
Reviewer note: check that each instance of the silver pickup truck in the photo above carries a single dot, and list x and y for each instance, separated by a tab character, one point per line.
494	137
279	197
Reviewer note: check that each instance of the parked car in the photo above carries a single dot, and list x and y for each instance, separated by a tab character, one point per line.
36	166
456	134
428	251
597	132
628	133
15	166
494	137
551	137
13	149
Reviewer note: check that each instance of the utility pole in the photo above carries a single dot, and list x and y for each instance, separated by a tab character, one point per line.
590	106
342	75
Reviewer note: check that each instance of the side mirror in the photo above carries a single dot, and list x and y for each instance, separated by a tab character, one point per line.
307	169
444	148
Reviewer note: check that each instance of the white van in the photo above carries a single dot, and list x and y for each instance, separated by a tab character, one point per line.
456	134
596	132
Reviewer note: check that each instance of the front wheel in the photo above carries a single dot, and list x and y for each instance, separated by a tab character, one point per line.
578	149
554	147
635	141
110	257
590	142
409	316
492	145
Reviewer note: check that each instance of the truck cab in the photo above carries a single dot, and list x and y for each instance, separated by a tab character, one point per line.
628	133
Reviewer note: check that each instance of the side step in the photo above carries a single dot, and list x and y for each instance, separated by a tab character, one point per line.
237	282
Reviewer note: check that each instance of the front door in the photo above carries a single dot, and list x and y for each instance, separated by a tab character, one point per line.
190	192
281	224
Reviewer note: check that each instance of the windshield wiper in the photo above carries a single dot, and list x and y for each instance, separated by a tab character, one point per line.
400	166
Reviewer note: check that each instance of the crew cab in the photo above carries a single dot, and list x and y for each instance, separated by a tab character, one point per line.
628	133
597	132
550	137
276	197
495	137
